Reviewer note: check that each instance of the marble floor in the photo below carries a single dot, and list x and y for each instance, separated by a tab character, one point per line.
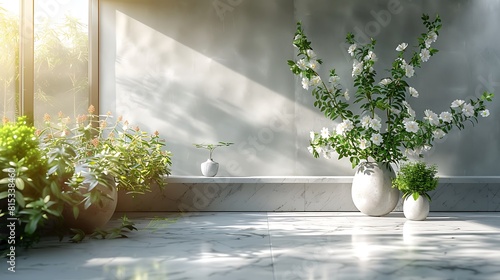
275	246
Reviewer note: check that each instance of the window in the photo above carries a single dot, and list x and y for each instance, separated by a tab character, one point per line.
54	53
9	58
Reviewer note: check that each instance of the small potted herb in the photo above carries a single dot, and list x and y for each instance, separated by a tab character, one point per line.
415	180
210	168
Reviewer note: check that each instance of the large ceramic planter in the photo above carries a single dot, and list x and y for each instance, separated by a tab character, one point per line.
209	168
372	191
416	210
97	215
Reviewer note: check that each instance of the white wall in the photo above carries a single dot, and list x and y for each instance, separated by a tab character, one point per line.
215	70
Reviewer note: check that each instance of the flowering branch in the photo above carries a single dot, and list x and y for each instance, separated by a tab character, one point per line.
368	136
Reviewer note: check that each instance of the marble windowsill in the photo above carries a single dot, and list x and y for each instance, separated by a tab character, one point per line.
312	179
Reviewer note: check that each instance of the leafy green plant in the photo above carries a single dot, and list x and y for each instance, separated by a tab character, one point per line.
212	147
416	179
104	145
24	186
117	232
387	129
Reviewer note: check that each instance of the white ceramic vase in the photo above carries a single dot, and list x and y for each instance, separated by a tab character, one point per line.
416	210
372	191
209	168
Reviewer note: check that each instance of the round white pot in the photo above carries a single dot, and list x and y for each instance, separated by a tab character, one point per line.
209	168
416	210
372	191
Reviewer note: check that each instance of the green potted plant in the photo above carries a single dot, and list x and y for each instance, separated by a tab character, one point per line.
100	155
378	126
210	168
27	194
415	180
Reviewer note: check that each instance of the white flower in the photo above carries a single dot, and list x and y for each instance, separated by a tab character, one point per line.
375	124
310	149
485	113
313	64
395	111
311	54
312	135
297	37
305	83
385	82
468	110
316	80
413	92
431	117
411	126
438	133
446	117
371	56
334	80
428	43
409	71
432	36
318	150
357	68
325	133
351	49
401	47
344	127
377	139
363	144
457	103
425	54
346	95
302	64
366	121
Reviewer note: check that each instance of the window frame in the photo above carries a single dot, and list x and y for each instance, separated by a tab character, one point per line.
26	57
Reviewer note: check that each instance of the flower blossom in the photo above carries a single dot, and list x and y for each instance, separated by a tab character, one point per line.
305	83
311	54
310	149
325	133
351	49
375	123
425	54
313	64
344	126
316	80
432	36
485	113
401	47
357	68
377	139
363	144
334	80
385	82
438	133
413	92
446	117
409	71
371	56
457	103
302	64
312	135
468	110
431	117
366	121
346	95
411	126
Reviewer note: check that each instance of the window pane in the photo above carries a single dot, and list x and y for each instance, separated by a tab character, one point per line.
9	57
61	57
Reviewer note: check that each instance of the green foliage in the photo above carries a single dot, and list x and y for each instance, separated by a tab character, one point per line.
113	233
416	179
212	147
387	129
101	145
22	164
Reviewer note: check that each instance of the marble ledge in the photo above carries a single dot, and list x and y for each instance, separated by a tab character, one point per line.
312	180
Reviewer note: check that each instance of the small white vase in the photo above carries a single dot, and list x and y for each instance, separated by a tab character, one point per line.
209	168
416	210
372	191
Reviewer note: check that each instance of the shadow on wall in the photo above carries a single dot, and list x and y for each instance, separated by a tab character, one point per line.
207	71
